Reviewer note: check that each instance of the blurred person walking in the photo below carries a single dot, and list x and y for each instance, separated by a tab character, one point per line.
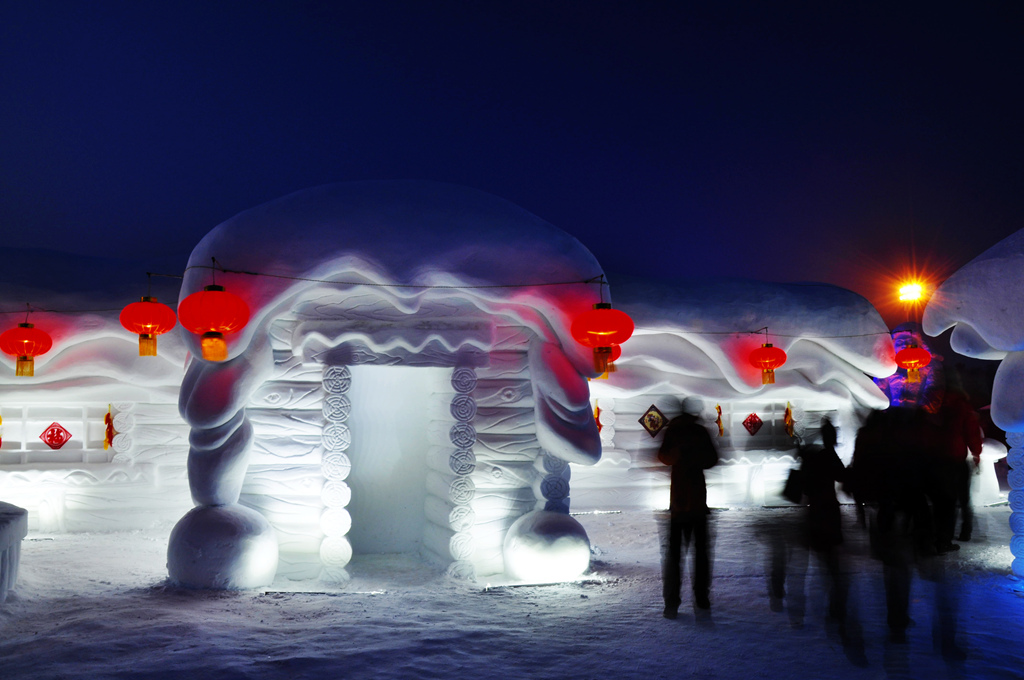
688	448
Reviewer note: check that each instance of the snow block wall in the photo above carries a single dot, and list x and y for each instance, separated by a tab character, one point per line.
75	483
694	339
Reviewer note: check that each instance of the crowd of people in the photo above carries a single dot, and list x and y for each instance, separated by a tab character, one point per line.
910	478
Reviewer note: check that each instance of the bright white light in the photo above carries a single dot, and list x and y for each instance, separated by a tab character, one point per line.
911	292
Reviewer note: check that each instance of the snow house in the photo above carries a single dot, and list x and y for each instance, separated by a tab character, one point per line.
407	382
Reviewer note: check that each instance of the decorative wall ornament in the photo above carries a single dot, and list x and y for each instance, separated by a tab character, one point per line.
718	420
653	420
55	436
753	423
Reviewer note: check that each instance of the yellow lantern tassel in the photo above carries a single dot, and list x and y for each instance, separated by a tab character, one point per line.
914	375
147	345
26	366
214	346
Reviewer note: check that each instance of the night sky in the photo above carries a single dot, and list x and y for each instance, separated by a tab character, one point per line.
776	141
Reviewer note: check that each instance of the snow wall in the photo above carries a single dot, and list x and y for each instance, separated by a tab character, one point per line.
694	338
984	304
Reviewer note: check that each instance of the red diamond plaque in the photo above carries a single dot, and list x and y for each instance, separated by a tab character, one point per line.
55	436
752	423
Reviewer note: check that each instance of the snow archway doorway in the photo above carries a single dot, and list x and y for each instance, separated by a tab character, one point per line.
389	419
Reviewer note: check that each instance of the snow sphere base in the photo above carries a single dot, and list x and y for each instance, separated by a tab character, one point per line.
223	547
543	547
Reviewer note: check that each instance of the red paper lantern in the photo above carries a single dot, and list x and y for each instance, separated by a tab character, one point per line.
148	319
602	326
213	313
26	342
603	329
767	357
913	359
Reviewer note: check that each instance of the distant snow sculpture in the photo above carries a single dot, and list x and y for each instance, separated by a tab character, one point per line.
394	273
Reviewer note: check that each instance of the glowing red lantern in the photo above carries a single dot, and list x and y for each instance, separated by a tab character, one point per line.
767	357
913	359
213	313
603	329
602	326
25	342
148	319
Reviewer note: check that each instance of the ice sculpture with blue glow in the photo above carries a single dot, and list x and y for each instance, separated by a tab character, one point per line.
983	302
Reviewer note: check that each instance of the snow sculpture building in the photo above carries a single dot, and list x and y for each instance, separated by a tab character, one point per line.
695	338
407	381
984	304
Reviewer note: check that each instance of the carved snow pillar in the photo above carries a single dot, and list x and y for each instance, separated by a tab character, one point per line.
450	488
1015	459
335	521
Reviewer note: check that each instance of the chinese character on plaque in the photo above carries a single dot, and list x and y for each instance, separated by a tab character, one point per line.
752	423
55	436
653	420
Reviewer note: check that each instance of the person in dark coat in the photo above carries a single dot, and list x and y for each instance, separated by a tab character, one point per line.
821	468
688	448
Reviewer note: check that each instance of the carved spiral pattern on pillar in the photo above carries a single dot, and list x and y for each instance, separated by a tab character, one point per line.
463	408
123	421
462	490
1015	458
464	380
462	461
606	418
335	494
553	464
336	437
554	487
463	435
337	379
1017	522
462	570
461	518
461	546
337	407
335	551
1016	498
335	466
121	443
123	406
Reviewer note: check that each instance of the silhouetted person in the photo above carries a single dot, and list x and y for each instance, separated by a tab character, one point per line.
961	429
821	469
689	450
894	469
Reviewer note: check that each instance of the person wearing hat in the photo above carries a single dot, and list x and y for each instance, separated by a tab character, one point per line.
688	448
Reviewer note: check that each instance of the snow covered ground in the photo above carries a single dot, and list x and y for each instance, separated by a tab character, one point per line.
96	606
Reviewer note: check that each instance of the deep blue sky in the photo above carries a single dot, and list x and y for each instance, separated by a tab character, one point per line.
780	141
